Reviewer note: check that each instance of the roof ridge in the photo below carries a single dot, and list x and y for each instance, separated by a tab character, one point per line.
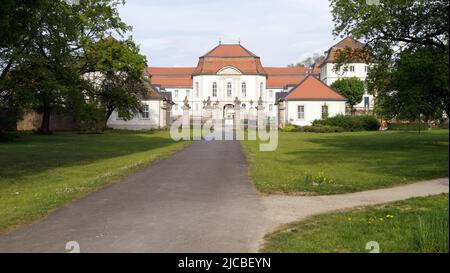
209	52
316	79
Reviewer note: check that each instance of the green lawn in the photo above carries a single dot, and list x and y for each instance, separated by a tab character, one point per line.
308	163
41	172
414	225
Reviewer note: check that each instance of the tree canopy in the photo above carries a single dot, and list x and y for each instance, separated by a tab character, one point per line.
43	49
407	41
351	88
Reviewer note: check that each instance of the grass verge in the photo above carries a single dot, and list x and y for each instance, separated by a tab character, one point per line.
41	172
310	163
414	225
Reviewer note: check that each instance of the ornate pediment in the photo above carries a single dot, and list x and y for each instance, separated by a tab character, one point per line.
229	70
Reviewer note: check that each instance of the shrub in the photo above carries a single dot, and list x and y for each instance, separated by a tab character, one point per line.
321	129
351	123
90	118
290	128
410	126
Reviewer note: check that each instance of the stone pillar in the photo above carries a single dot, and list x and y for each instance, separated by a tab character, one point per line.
281	114
186	118
261	117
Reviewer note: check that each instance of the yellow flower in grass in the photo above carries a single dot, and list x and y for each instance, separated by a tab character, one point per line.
349	219
390	216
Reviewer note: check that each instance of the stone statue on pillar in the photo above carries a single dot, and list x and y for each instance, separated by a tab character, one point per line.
281	114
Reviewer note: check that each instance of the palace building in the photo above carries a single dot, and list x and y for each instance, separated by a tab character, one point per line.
230	73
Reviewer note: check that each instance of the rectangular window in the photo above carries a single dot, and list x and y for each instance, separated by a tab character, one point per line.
270	107
145	112
352	68
188	93
197	90
214	90
176	93
301	112
366	102
271	94
229	89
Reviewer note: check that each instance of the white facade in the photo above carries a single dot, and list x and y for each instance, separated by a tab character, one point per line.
152	117
224	88
303	113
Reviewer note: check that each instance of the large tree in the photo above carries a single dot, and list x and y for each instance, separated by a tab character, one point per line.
351	88
41	45
408	43
116	72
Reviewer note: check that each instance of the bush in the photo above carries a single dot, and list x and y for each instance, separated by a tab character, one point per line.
351	123
410	126
90	118
290	128
321	129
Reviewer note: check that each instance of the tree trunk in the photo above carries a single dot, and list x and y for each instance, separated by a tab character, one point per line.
45	125
109	112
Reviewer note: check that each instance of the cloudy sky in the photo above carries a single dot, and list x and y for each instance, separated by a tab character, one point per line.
177	32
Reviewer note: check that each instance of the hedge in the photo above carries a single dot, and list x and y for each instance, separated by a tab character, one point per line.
313	129
351	123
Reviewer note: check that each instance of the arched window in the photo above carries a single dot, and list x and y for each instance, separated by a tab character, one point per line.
244	90
244	106
214	89
229	89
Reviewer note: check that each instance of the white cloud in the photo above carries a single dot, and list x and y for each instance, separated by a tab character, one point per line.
176	32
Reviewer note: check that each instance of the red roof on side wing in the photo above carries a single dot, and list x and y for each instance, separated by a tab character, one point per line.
170	70
171	76
275	81
286	70
312	88
280	77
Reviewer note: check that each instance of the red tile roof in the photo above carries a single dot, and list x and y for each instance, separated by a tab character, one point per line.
280	77
286	70
283	81
348	42
235	56
231	50
170	70
312	88
171	76
229	55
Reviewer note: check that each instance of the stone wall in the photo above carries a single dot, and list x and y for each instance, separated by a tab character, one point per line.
58	122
